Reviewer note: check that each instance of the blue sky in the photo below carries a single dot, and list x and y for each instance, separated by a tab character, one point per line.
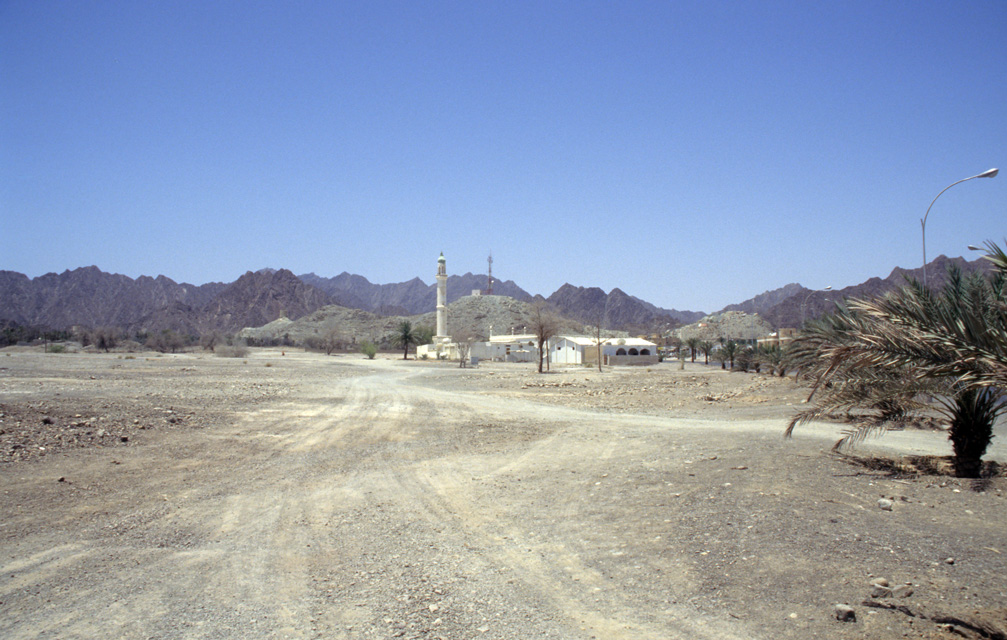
693	154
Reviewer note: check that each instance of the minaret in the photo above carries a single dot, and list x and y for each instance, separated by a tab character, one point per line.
442	301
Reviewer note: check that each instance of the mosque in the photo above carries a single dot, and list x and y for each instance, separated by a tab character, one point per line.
524	348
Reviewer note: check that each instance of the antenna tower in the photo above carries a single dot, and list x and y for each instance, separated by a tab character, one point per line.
489	290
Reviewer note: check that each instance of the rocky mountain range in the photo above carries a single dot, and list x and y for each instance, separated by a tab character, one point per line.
802	303
90	297
615	309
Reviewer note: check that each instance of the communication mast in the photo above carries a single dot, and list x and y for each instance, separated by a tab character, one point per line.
489	289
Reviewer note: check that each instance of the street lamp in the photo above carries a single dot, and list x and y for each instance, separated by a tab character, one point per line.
803	304
923	222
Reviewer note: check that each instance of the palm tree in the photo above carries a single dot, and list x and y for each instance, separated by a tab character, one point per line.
887	357
706	347
693	344
730	351
773	356
405	336
747	358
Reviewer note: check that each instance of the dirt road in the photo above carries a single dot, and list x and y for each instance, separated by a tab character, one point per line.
359	499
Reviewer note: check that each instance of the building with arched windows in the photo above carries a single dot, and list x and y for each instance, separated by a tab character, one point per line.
584	350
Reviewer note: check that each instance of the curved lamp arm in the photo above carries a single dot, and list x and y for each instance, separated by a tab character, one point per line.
989	173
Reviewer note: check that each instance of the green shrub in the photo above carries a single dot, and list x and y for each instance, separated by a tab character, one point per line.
57	348
369	349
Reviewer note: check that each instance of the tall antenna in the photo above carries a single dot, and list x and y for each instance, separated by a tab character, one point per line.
489	290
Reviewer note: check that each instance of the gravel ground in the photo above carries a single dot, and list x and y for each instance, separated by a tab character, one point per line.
291	495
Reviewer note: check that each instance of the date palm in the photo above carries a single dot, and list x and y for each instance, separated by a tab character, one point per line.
774	357
706	348
405	335
730	352
693	344
916	350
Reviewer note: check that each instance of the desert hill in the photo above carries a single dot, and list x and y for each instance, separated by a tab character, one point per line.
411	297
482	315
729	325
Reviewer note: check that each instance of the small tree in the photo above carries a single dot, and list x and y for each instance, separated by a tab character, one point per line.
596	332
544	324
105	338
166	340
331	340
369	349
210	340
464	340
599	343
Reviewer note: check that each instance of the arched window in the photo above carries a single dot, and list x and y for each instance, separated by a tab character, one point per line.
634	352
620	352
644	352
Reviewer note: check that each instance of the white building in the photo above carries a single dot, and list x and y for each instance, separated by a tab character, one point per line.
573	350
508	348
584	350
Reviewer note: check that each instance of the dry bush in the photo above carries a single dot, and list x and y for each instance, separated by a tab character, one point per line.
230	350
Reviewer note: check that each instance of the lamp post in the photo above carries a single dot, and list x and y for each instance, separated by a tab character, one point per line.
923	221
804	304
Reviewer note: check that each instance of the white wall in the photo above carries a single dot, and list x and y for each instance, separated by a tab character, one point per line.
563	351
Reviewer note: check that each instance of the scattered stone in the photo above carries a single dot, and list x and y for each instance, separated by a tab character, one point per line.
46	420
902	591
62	479
123	438
949	560
884	504
881	591
844	613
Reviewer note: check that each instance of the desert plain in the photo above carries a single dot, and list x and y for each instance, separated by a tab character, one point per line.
297	495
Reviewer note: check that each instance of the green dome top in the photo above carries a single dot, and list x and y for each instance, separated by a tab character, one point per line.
441	259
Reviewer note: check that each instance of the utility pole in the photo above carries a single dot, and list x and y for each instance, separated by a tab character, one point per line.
489	289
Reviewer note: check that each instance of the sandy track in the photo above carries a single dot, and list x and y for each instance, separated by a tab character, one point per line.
383	503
